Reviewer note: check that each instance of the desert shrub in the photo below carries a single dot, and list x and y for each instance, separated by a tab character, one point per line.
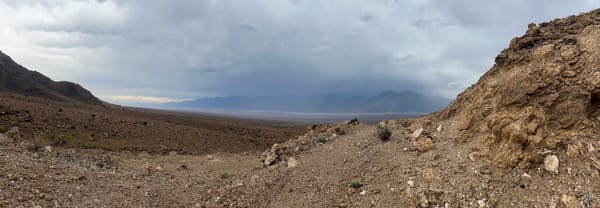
355	183
41	153
383	132
322	140
224	175
3	129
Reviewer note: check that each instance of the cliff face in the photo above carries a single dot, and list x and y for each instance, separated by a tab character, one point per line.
16	78
542	95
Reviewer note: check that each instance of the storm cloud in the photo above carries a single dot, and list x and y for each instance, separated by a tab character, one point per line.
136	51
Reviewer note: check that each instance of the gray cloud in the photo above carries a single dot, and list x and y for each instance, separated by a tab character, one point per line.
190	49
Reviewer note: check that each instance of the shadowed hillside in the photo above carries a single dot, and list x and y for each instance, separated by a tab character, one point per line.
16	78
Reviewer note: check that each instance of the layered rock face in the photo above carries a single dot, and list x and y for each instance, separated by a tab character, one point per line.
541	96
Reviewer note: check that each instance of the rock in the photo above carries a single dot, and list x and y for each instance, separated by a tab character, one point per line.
569	201
182	167
551	163
569	73
550	71
439	128
424	145
542	51
292	162
48	149
591	148
428	175
410	183
363	192
481	203
272	156
270	159
474	156
353	121
573	151
417	133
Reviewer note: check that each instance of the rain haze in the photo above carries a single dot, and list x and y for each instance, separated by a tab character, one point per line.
147	52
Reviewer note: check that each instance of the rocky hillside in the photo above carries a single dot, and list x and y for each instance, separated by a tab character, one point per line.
542	95
525	135
16	78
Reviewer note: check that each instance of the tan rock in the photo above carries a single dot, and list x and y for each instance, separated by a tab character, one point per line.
428	175
474	156
551	163
569	201
542	51
569	73
573	151
292	162
568	52
550	71
417	133
424	144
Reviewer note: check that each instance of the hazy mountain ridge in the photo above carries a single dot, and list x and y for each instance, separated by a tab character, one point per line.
18	79
389	101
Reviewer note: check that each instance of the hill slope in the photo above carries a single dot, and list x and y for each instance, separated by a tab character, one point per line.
16	78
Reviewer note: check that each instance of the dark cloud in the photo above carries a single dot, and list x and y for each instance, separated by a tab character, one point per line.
188	49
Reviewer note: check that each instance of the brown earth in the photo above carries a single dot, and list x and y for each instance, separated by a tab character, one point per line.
525	135
116	128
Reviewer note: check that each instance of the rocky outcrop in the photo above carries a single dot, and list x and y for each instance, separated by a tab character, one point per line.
317	134
543	94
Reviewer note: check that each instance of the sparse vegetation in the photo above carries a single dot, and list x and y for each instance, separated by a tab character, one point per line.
355	183
383	132
41	153
322	140
3	129
224	175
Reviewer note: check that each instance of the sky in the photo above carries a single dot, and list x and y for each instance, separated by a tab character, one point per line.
154	51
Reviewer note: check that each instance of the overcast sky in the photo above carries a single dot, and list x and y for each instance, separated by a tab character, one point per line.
136	51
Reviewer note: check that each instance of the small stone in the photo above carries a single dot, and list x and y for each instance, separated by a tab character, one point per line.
542	51
573	151
569	201
424	145
474	156
481	203
292	162
182	167
417	133
439	128
551	163
410	183
363	192
428	175
591	148
569	73
48	149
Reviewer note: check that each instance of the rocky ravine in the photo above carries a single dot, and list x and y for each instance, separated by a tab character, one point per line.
525	135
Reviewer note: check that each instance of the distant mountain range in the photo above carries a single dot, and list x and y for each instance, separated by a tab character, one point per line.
17	79
386	102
